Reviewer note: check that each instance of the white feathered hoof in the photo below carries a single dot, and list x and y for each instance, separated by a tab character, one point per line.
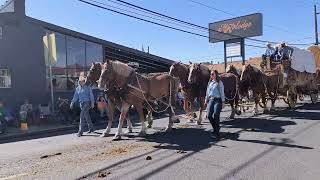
142	133
191	120
104	134
116	138
129	131
255	113
238	112
149	126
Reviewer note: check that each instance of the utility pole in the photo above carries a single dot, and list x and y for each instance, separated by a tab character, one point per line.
316	25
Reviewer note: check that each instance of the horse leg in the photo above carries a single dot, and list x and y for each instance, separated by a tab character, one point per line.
124	110
201	100
256	99
129	124
149	119
170	124
273	100
191	111
110	109
237	107
264	102
233	110
142	119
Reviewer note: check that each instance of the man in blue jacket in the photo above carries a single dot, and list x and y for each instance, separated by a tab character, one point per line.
84	96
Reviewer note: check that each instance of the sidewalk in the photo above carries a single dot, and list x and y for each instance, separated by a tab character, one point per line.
15	133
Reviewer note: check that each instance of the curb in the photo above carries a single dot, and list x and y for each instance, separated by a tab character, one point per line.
41	132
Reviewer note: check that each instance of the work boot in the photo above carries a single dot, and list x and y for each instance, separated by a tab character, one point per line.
215	136
90	131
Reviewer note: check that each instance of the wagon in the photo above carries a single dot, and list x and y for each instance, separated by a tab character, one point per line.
297	77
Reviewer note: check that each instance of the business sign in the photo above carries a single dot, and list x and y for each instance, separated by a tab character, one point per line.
233	50
240	27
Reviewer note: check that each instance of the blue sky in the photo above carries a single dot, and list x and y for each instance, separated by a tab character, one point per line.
289	20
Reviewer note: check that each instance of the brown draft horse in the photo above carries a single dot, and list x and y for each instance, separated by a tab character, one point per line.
190	91
234	93
274	84
199	76
139	91
254	79
114	98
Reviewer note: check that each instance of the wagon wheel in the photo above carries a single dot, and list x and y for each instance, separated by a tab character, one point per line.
292	100
301	97
314	98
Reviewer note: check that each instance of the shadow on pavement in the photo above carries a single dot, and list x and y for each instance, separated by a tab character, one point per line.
282	142
258	125
187	139
306	112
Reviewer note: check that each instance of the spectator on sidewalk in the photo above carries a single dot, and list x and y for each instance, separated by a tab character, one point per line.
26	110
102	105
3	124
83	94
8	114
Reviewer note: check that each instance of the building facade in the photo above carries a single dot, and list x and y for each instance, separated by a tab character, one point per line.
39	59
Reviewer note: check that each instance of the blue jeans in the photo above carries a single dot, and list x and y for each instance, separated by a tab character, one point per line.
214	109
85	117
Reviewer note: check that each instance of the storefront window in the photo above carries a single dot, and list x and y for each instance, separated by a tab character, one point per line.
93	53
75	60
69	58
5	78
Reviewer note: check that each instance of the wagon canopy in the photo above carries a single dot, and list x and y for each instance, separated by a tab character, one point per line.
303	60
316	52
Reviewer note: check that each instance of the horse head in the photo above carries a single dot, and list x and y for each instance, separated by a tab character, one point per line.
231	69
94	73
194	73
106	75
179	70
247	72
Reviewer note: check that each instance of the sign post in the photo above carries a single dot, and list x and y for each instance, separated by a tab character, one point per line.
233	33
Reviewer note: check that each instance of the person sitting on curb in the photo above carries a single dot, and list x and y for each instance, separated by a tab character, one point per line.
26	110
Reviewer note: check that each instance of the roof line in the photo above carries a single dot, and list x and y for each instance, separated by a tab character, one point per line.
103	42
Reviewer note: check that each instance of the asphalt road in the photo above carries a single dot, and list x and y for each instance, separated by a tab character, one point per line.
280	145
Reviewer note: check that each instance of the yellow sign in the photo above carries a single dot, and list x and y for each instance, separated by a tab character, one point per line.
50	49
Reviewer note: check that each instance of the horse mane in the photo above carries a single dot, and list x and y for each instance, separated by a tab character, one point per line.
121	68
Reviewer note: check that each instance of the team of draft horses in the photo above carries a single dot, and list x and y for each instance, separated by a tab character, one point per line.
124	87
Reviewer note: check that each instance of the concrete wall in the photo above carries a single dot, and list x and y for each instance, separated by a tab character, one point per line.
21	50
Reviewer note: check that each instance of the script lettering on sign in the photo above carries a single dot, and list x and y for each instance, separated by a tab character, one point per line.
239	25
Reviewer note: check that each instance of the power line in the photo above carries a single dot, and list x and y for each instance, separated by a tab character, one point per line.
201	27
152	22
143	14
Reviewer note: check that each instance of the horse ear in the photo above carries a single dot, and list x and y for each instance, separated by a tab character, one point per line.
190	62
93	63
